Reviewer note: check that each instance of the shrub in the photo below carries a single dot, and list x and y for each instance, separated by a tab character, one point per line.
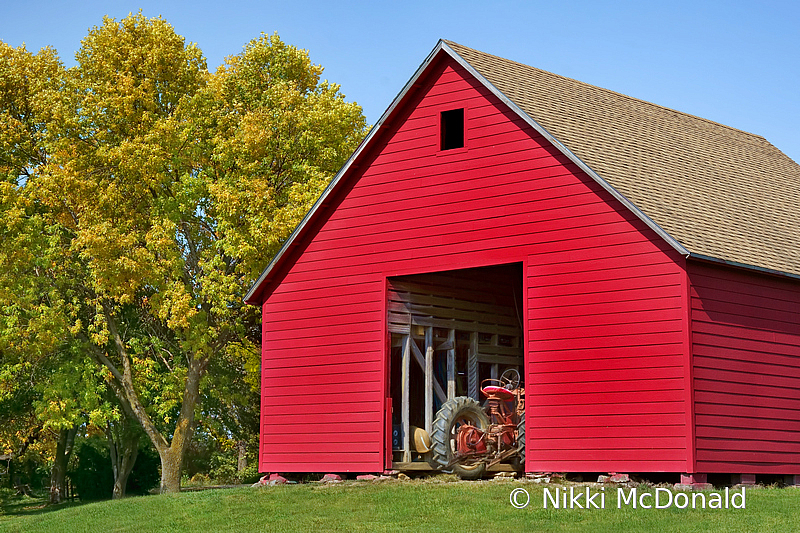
93	476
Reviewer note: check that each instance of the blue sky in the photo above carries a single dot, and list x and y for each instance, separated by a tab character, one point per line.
734	62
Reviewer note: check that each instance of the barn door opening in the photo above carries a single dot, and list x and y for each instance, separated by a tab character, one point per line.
449	331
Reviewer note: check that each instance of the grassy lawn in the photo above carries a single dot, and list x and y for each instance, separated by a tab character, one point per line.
392	506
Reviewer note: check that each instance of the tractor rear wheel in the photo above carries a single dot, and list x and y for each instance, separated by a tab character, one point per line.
454	414
519	460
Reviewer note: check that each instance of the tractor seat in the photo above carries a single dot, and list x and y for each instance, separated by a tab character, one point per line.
500	393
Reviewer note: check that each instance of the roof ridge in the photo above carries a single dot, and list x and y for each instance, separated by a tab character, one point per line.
760	138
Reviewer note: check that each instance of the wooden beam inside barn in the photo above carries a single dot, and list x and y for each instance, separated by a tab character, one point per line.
405	380
429	380
451	364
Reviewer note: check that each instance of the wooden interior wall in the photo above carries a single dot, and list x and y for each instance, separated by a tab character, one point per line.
746	343
485	300
469	318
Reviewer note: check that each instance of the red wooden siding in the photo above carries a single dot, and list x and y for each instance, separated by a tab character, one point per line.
605	368
746	344
606	361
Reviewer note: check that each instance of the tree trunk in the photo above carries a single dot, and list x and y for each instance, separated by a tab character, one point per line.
171	470
124	469
66	439
123	445
11	471
170	453
241	448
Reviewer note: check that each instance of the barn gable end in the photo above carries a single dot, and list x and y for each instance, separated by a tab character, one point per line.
605	327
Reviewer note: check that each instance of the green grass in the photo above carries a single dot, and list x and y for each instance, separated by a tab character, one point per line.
390	506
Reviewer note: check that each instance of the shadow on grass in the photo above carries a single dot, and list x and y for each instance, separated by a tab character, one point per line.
12	504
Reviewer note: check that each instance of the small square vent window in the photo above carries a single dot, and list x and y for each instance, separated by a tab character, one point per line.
452	129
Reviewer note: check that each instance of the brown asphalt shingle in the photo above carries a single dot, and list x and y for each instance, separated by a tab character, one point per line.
719	191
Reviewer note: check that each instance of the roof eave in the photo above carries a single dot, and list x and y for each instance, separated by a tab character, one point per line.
743	266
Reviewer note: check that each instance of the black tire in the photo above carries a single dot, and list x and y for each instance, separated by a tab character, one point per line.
519	460
453	414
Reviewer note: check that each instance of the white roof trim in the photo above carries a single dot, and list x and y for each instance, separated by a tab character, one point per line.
441	45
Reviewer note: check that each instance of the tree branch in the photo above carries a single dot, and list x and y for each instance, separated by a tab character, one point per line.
128	398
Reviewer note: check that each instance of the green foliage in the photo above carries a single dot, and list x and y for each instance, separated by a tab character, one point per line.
223	469
249	475
280	134
28	84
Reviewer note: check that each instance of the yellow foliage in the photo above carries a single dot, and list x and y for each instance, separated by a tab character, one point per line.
141	195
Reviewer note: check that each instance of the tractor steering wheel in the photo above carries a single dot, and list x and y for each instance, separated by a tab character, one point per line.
510	378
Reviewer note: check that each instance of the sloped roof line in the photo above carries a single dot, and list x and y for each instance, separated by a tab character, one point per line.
443	45
617	95
566	151
291	240
746	266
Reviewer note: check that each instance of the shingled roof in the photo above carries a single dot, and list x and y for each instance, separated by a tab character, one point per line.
721	193
713	192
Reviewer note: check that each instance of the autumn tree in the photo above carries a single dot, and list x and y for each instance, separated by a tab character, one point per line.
162	191
33	326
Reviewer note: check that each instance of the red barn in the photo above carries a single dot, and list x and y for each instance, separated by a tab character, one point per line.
640	266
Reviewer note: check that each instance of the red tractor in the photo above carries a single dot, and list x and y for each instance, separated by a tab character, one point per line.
468	438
